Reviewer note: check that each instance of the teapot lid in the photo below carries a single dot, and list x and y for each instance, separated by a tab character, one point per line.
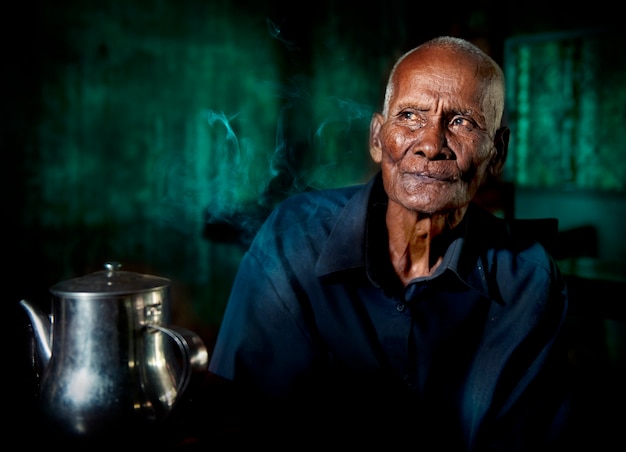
110	281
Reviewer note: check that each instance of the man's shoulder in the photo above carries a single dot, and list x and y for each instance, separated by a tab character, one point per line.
327	197
515	258
512	242
305	216
313	205
512	234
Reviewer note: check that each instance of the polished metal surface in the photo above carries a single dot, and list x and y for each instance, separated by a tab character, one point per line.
110	360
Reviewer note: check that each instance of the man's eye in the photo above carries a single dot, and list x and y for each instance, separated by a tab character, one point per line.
408	115
460	121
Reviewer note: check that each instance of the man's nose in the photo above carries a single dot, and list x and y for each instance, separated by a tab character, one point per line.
431	139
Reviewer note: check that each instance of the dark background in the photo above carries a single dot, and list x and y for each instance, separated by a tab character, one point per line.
160	133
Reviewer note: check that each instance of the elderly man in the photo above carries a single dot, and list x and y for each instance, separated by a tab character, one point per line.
400	305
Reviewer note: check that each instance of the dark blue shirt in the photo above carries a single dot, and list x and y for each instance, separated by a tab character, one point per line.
318	316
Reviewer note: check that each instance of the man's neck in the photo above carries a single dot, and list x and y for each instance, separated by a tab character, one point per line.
415	247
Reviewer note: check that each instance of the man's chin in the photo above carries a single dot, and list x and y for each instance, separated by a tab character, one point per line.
433	203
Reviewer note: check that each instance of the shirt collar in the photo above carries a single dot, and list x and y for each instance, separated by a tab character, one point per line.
352	243
344	248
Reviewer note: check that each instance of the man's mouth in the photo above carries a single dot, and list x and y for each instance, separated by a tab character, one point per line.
430	176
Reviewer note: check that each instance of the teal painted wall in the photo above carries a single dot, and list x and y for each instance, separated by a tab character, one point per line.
160	133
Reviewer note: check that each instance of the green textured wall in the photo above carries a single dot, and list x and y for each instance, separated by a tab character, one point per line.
566	97
160	133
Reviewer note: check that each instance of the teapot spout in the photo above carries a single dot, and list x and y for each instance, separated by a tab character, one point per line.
42	330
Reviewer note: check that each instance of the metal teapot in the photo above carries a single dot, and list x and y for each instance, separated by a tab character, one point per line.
108	359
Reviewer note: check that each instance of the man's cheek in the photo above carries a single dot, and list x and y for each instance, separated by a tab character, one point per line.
394	141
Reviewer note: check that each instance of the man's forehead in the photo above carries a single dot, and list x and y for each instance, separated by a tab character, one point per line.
443	63
440	55
426	85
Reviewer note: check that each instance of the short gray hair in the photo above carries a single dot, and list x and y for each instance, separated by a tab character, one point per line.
493	72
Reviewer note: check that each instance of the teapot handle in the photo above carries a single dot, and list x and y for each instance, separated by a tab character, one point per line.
195	356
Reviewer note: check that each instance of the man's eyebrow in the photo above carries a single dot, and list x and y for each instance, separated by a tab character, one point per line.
413	105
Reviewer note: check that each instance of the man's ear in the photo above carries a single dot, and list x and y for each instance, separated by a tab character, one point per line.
376	147
501	145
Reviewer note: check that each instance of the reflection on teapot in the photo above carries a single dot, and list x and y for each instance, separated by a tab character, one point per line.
109	361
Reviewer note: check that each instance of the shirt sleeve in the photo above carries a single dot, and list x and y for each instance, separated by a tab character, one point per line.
262	343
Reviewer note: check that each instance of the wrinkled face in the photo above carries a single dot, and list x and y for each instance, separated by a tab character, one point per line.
439	135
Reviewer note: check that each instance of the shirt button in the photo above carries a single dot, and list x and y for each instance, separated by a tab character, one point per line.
400	307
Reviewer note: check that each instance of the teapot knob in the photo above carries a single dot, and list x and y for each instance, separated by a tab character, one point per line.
111	267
